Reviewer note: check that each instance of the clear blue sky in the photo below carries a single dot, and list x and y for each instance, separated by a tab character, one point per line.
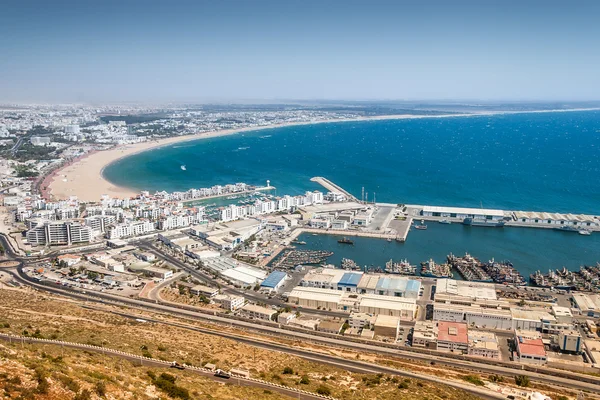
242	50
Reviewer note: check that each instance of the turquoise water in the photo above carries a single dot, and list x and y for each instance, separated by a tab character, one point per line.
543	161
537	161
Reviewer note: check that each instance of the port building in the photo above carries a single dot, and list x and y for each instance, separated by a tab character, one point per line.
452	337
358	282
530	348
556	219
274	281
462	213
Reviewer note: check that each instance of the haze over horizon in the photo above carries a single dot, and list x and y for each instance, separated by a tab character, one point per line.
70	51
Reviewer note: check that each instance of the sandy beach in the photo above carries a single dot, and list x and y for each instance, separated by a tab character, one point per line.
83	177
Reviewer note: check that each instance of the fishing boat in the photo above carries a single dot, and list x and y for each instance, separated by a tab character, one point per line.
296	241
445	222
483	222
349	264
421	227
585	232
346	241
469	268
567	228
432	270
403	267
389	239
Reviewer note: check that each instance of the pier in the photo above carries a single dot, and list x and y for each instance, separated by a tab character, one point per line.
332	187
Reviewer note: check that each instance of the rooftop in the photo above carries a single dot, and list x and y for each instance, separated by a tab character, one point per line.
457	210
350	279
455	332
273	279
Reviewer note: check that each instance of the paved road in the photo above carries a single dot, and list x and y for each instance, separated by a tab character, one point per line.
248	294
575	382
161	364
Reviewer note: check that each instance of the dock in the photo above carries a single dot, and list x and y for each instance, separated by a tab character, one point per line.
332	187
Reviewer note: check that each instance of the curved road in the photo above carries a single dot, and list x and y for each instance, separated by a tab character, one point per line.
163	364
575	382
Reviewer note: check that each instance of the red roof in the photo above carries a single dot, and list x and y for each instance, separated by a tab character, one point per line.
455	332
531	347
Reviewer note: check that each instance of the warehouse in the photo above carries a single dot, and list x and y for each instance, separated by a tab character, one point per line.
388	305
244	275
473	315
387	326
398	287
316	298
253	311
349	281
462	213
274	281
530	348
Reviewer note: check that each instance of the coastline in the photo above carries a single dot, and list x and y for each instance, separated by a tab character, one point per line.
84	178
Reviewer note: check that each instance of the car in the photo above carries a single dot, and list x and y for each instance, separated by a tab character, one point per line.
176	365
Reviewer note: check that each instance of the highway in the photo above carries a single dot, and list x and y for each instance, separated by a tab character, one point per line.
567	379
239	381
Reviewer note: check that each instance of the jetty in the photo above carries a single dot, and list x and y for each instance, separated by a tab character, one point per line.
332	187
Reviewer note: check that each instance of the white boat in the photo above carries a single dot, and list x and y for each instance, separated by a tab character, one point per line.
585	232
445	221
183	168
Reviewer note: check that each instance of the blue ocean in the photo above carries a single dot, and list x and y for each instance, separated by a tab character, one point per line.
532	161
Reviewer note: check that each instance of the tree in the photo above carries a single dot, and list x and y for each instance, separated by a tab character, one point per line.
288	371
304	380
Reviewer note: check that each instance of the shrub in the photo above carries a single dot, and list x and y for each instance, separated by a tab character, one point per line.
69	383
304	380
496	378
288	371
323	390
522	380
403	385
83	395
100	388
161	348
474	379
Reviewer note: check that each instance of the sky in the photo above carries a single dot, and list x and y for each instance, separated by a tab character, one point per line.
204	51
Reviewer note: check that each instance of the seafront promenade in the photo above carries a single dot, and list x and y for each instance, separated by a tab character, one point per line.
216	196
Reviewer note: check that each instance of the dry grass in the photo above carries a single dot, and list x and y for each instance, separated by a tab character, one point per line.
63	319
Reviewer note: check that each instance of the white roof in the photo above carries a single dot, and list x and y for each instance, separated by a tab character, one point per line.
458	210
387	302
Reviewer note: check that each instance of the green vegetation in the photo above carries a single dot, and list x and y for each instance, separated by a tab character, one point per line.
288	371
324	390
522	380
304	380
496	378
166	383
25	171
30	152
474	379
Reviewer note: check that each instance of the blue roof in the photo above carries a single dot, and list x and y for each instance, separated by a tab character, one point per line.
273	279
413	286
350	279
387	283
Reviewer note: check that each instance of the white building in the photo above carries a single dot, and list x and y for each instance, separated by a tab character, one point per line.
253	311
231	303
58	233
483	344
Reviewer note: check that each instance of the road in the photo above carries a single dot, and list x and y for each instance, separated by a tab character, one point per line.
165	364
567	379
248	294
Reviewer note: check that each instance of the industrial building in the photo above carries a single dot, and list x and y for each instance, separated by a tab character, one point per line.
253	311
556	220
161	273
387	326
588	304
570	342
530	347
401	307
425	335
483	344
452	336
462	213
206	291
274	281
231	303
